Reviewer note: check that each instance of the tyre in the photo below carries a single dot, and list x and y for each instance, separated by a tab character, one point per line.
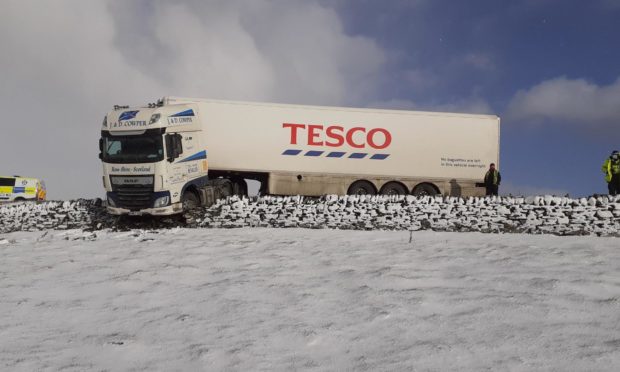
240	187
190	201
424	189
225	187
362	188
394	188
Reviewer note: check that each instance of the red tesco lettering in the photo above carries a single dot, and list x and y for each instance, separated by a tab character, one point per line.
336	136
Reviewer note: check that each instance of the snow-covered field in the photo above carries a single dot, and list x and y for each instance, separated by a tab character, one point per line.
295	299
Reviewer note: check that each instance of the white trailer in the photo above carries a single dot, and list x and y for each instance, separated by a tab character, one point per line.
187	151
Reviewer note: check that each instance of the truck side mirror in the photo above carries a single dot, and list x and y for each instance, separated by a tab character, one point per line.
101	148
178	145
174	146
169	148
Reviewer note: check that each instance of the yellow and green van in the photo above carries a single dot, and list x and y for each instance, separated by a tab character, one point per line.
18	188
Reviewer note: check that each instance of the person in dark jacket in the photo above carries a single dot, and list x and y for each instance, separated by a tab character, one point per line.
492	179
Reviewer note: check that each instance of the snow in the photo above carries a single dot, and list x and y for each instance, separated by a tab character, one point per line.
300	299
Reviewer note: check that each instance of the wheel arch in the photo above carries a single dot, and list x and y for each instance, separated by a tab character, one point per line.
194	185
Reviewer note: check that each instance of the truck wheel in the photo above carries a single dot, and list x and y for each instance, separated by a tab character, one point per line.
424	189
393	188
226	187
361	188
240	187
190	201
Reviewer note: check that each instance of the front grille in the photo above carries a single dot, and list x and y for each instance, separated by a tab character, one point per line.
133	196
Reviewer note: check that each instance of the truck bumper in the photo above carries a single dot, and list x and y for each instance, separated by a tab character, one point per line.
164	211
120	204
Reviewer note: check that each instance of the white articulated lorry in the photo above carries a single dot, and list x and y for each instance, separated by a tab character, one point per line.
182	152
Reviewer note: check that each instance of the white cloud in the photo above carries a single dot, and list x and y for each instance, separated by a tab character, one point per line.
575	102
419	79
288	51
471	105
394	104
65	63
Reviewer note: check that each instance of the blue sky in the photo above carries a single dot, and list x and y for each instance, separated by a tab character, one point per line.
549	68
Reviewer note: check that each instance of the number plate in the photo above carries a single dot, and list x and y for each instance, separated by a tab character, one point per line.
131	180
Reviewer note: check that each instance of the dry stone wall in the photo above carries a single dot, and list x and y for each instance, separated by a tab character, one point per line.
536	214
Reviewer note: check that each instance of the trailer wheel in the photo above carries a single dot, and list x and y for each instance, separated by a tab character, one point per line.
425	189
190	200
362	188
393	188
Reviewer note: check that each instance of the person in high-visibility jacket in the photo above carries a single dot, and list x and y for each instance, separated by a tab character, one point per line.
492	179
611	168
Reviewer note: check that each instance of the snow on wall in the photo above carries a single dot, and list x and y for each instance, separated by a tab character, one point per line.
535	214
60	215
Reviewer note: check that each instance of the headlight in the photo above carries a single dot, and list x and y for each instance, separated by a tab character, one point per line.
154	118
161	202
111	202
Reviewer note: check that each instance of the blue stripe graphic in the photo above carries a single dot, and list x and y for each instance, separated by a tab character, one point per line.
197	156
336	154
291	152
128	115
18	190
379	156
189	112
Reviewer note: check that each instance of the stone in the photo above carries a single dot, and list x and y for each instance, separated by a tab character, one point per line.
604	214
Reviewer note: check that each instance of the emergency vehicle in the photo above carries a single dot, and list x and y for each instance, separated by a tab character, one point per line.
16	188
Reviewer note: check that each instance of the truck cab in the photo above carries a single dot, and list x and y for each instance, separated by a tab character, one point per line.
153	159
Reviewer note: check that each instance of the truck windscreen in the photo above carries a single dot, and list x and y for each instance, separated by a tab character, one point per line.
143	148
